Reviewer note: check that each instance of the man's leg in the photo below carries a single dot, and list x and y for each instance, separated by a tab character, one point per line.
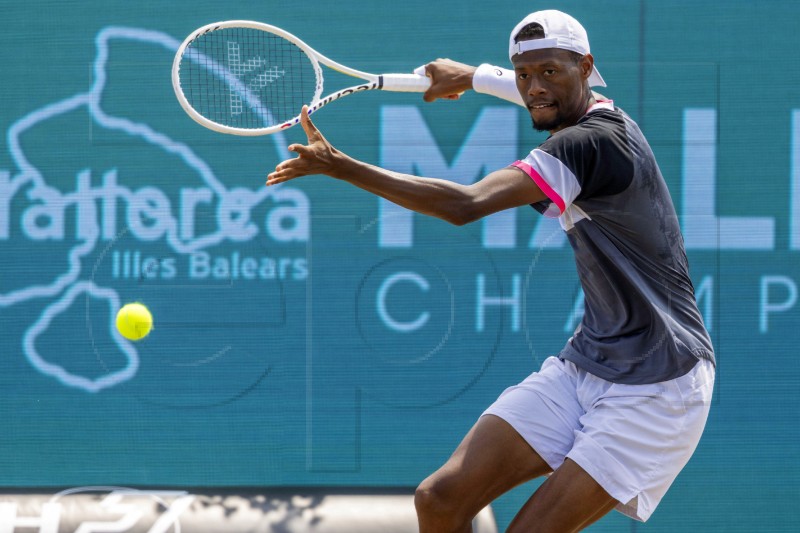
636	439
492	459
569	500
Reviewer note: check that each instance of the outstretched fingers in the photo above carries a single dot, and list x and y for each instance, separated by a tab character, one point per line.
300	149
311	158
308	126
289	169
283	172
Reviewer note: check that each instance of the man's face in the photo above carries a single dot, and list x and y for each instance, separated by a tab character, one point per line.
553	86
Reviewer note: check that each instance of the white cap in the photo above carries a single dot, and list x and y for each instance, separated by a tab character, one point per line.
560	31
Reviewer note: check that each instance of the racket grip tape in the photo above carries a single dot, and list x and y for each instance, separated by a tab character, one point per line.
406	83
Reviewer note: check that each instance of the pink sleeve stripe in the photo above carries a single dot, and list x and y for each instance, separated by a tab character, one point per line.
543	185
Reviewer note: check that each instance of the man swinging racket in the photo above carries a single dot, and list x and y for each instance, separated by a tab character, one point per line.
614	416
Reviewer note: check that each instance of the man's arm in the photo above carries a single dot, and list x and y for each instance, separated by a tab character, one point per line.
449	79
456	203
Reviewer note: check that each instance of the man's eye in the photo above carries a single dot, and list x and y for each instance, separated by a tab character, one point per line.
522	76
549	72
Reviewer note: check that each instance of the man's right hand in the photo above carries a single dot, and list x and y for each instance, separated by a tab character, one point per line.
449	79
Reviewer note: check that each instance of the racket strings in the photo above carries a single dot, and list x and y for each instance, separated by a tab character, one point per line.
246	78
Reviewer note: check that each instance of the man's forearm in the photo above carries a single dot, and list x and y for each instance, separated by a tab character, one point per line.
429	196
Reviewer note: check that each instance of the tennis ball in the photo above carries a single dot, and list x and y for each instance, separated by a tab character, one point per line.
134	321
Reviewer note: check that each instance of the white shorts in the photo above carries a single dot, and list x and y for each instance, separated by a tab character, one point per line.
632	439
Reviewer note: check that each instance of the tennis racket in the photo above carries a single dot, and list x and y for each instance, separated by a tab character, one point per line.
248	78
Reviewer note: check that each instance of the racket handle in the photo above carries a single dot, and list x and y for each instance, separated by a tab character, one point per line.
406	83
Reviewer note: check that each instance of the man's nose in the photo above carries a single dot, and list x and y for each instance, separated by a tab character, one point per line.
535	86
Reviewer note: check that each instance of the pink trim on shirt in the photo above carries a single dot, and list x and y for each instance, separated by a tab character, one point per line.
601	104
543	185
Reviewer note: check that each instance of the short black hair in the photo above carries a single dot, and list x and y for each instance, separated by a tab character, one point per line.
534	30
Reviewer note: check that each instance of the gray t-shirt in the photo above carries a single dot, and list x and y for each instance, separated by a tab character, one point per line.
641	323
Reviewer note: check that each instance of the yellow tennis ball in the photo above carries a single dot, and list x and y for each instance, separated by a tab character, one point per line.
134	321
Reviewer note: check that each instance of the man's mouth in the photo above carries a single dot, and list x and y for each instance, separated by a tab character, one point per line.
540	106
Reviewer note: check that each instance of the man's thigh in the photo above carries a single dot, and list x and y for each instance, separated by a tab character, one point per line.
524	434
544	410
491	459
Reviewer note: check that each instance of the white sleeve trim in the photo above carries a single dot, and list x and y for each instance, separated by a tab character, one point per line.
498	82
557	176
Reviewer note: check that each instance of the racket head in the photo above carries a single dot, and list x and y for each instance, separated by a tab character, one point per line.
245	78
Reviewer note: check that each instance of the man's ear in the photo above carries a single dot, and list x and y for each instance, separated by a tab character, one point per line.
587	64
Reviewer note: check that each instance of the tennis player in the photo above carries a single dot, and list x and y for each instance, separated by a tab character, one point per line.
613	418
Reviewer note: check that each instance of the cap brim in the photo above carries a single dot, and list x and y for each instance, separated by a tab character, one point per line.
595	79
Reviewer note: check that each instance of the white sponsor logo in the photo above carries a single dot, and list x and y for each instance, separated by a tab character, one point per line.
121	510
